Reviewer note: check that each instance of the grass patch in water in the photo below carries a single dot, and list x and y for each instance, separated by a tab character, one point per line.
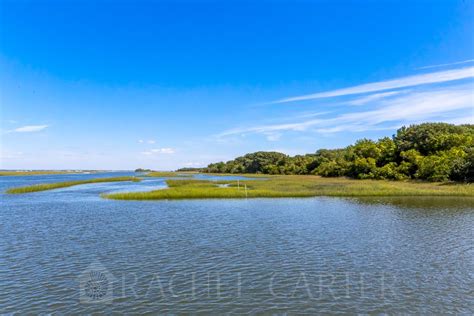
294	186
57	185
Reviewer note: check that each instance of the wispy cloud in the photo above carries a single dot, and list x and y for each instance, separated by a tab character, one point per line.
430	78
272	136
412	108
265	129
150	141
434	104
165	150
374	97
450	64
29	129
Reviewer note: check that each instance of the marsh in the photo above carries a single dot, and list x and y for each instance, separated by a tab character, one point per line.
286	255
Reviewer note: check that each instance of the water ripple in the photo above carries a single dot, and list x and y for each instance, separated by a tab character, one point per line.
293	256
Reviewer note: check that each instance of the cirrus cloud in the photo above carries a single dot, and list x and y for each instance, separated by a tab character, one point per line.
416	80
29	129
438	104
165	151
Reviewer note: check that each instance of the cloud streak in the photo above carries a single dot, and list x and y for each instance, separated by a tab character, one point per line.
430	78
374	97
150	141
165	150
29	129
434	104
450	64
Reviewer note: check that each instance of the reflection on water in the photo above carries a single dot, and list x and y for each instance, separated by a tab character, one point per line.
422	202
69	251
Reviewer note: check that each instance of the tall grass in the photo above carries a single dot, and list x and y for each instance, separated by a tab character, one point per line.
57	185
295	186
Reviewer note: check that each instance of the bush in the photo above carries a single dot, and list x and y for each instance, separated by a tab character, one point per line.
364	168
331	169
390	171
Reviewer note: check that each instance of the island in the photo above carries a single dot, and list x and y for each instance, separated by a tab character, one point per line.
57	185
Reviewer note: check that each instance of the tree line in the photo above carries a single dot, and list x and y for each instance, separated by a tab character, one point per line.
429	151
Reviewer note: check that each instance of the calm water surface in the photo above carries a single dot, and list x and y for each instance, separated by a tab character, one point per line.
68	251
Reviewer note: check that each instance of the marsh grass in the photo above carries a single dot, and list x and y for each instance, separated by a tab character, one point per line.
57	185
294	186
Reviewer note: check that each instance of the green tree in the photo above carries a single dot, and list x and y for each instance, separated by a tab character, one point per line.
429	151
428	138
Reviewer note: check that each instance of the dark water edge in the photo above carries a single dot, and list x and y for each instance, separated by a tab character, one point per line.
421	202
68	251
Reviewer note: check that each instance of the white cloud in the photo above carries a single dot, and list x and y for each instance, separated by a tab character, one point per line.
450	64
150	141
437	104
374	97
265	129
273	137
166	151
461	120
29	128
423	105
434	77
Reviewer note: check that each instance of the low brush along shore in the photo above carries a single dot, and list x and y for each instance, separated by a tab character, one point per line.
269	187
294	186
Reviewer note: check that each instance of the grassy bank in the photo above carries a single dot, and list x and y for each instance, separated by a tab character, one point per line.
57	185
295	186
42	172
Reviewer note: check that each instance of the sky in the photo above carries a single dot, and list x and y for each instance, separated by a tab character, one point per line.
169	84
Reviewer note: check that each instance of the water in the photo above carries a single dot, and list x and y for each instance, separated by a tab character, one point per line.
68	251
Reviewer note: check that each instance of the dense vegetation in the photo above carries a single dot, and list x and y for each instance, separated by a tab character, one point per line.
65	184
189	169
429	151
143	170
293	186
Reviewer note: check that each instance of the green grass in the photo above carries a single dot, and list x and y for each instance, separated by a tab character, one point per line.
41	172
295	186
57	185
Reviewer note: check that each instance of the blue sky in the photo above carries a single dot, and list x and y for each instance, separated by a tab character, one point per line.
162	85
